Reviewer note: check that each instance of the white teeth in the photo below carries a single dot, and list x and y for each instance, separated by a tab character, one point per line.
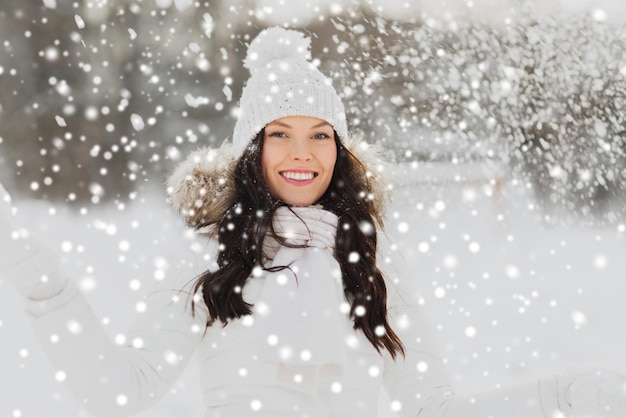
298	175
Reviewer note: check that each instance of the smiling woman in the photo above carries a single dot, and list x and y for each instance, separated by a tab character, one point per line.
293	315
298	158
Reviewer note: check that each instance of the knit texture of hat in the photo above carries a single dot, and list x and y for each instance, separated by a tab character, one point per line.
283	82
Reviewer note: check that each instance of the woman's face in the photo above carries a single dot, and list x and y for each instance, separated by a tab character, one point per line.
298	158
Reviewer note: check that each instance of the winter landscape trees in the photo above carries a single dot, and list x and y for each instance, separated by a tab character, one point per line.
100	97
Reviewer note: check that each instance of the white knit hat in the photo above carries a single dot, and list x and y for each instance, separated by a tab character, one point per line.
283	82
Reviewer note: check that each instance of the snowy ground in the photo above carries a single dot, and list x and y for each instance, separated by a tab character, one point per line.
512	297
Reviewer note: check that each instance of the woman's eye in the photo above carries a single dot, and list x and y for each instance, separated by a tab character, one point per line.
321	136
277	134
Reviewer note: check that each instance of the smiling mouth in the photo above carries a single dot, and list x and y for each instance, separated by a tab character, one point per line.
298	175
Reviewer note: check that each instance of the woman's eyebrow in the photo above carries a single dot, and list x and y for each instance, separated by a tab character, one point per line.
279	123
319	125
285	125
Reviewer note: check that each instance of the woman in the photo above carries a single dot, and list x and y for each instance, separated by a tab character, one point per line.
294	318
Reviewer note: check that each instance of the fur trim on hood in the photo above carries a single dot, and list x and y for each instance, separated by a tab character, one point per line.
202	187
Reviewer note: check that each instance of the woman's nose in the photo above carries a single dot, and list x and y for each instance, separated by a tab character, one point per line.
300	150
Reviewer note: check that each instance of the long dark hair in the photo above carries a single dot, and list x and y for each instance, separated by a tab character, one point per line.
242	230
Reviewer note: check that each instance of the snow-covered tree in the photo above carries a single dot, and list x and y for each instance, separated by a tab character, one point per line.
567	125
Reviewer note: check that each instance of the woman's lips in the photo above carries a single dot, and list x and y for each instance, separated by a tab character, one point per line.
298	177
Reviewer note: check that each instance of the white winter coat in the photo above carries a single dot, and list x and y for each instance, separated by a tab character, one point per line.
117	381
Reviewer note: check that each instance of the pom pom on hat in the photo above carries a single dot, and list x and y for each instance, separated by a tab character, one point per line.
277	44
283	82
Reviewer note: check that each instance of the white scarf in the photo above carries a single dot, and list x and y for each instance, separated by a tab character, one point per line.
298	319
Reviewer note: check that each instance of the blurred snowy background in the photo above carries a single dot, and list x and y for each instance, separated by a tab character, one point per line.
506	120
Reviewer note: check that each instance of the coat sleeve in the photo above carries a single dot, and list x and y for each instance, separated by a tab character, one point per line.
113	380
418	384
